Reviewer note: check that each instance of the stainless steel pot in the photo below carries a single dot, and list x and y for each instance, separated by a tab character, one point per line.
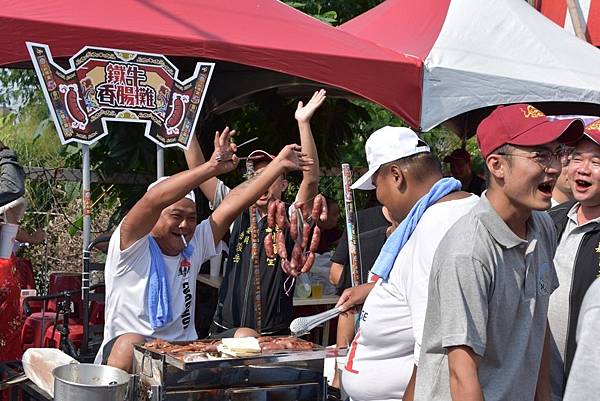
88	382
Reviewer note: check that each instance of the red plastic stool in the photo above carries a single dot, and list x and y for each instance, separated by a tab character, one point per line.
75	335
34	329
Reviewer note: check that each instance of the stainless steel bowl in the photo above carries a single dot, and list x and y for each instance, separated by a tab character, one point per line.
89	382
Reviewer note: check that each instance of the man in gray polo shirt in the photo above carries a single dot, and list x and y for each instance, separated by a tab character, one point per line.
493	274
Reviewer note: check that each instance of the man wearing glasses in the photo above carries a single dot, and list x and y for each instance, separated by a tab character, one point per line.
492	275
577	258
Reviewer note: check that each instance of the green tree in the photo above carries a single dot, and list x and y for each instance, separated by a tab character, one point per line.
334	12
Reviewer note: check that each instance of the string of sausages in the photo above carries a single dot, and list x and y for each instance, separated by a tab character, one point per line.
303	253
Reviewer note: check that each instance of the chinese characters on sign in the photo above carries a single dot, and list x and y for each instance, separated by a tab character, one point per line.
124	88
113	85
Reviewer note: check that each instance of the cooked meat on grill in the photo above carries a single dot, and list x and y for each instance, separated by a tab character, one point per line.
266	343
271	346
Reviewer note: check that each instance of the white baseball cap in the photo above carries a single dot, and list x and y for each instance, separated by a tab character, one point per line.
386	145
190	195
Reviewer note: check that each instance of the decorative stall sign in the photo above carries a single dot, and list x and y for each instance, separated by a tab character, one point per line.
115	85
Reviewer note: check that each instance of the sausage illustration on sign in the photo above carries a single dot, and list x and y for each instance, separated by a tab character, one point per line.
177	113
73	105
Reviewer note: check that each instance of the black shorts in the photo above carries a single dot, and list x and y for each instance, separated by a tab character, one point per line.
229	333
107	349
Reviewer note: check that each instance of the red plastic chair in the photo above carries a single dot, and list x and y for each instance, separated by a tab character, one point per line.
53	336
65	281
37	323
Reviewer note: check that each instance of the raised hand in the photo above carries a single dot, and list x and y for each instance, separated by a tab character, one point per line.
291	158
304	113
224	155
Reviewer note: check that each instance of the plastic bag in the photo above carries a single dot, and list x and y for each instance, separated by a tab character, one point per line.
302	286
38	364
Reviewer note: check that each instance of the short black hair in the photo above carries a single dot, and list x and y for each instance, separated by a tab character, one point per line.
504	150
420	165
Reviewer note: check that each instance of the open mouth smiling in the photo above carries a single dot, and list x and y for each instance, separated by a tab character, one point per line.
582	184
546	187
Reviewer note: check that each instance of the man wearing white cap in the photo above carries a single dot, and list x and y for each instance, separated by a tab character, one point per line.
409	183
155	253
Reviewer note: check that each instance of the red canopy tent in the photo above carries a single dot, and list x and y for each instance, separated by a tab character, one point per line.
589	14
260	33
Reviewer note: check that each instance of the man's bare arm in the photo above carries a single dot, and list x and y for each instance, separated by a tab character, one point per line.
354	296
309	186
241	197
194	158
335	273
464	381
143	216
409	392
542	391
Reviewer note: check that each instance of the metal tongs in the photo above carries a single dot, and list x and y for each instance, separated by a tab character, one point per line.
303	325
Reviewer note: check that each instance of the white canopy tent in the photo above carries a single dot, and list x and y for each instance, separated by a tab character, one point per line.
480	53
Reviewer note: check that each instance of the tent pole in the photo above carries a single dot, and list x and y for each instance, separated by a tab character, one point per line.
85	273
351	228
160	162
577	19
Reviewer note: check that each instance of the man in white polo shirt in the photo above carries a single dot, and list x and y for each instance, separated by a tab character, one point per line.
409	183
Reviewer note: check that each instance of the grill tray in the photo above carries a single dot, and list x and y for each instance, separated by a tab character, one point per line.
200	360
283	375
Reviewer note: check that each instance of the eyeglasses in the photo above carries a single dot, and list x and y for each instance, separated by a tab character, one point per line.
546	158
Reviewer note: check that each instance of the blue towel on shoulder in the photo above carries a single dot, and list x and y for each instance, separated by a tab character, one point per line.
385	261
158	300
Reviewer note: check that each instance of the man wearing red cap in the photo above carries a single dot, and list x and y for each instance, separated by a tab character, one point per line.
236	305
492	275
577	258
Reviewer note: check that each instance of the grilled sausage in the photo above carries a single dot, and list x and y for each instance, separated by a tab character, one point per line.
281	215
271	212
305	235
271	346
281	250
268	244
324	210
296	257
310	260
294	225
285	266
316	209
316	238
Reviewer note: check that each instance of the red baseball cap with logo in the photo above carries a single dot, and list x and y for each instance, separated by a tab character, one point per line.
592	131
523	124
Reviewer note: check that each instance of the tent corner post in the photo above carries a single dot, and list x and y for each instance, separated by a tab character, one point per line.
85	273
160	162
